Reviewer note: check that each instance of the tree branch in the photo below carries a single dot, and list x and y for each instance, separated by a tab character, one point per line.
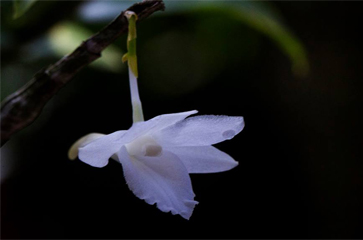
22	107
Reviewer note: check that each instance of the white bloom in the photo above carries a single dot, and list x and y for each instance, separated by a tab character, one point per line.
158	154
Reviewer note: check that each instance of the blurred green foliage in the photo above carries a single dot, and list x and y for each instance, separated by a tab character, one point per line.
21	6
258	15
66	36
180	50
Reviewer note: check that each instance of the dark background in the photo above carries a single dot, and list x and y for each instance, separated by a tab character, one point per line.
300	172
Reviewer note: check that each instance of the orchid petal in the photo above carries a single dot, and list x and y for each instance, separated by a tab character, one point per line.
155	124
99	151
166	120
83	141
203	159
139	129
200	131
163	180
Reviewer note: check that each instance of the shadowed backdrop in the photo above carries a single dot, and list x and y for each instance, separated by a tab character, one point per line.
300	172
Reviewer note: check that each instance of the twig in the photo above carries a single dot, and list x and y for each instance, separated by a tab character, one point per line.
22	107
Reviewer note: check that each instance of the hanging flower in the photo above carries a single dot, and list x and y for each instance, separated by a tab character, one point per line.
157	155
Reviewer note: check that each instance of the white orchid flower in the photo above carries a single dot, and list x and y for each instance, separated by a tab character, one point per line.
157	155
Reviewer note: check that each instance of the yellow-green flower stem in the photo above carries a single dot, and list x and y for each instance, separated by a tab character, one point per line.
131	58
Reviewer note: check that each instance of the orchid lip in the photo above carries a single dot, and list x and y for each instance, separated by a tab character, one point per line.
144	146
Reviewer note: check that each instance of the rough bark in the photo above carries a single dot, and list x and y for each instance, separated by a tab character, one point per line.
23	106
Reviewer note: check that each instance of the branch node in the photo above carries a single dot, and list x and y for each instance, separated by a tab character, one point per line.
23	106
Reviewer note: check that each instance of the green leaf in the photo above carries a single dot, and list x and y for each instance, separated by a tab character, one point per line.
257	15
21	6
